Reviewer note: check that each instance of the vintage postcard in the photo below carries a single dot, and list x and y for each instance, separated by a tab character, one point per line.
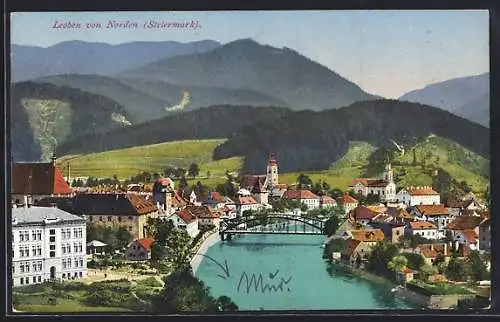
236	161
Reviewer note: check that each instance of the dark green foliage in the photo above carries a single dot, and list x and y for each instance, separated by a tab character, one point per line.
458	269
382	253
479	271
90	114
304	182
116	238
334	246
415	261
183	292
193	170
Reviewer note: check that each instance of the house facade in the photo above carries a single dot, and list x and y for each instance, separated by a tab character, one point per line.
206	216
422	228
436	214
412	196
47	244
304	197
129	211
139	249
361	215
327	202
359	245
349	203
185	220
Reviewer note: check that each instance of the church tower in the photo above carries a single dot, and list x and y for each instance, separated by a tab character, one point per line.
388	175
272	171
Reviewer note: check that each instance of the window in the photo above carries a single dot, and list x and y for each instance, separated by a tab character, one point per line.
76	262
52	254
110	218
129	228
33	235
75	247
64	274
39	279
81	262
39	235
90	218
52	239
63	234
80	247
52	247
100	218
34	279
52	231
21	280
80	273
39	264
75	233
21	268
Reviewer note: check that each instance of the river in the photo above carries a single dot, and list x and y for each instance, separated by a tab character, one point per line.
293	276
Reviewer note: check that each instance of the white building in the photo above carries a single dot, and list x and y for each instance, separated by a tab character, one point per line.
47	244
413	196
437	214
184	220
423	228
304	197
384	187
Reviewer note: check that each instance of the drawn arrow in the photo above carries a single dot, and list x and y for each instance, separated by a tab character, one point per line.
224	267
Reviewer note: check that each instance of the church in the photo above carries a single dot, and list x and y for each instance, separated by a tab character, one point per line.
263	186
384	187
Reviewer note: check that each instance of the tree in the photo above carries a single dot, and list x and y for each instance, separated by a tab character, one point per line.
303	207
336	193
380	256
335	245
457	269
415	261
448	236
158	252
193	170
331	225
159	229
169	171
183	184
372	198
439	259
304	182
225	304
177	246
208	174
426	271
397	264
479	271
123	237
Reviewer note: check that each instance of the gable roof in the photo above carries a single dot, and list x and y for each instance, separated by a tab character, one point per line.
398	213
37	215
469	235
177	200
96	243
112	204
422	225
348	199
250	182
368	235
146	243
371	182
245	200
186	216
201	212
421	191
299	194
362	212
465	223
350	247
377	209
38	179
432	210
432	250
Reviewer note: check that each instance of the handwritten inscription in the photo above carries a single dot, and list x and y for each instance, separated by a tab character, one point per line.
256	283
127	24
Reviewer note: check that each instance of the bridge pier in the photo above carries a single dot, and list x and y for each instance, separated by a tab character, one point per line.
222	236
229	236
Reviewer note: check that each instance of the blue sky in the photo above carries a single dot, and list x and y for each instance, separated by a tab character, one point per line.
387	53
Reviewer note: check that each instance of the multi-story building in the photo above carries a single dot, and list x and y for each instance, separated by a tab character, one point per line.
383	187
413	196
304	197
47	243
130	211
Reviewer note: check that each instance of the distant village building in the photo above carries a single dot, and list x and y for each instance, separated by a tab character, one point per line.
383	187
423	228
305	197
359	245
348	203
437	214
47	244
207	217
139	249
185	220
393	227
361	215
216	200
129	211
412	196
35	181
466	229
460	207
327	202
96	247
245	201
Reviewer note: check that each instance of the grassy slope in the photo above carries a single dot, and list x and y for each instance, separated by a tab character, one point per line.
459	162
126	163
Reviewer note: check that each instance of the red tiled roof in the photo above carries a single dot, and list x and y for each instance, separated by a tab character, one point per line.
299	194
432	210
186	216
422	225
421	191
201	212
38	179
246	200
177	200
368	235
348	199
327	200
350	246
432	250
470	235
217	197
146	243
362	212
371	182
407	270
250	182
112	204
465	223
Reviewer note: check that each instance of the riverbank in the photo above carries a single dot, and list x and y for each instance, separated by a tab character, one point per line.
404	294
208	242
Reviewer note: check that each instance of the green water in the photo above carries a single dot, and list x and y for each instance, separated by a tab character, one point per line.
311	285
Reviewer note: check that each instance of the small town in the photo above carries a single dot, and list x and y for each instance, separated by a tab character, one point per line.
92	241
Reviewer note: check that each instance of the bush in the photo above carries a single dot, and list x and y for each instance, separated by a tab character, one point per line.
150	282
